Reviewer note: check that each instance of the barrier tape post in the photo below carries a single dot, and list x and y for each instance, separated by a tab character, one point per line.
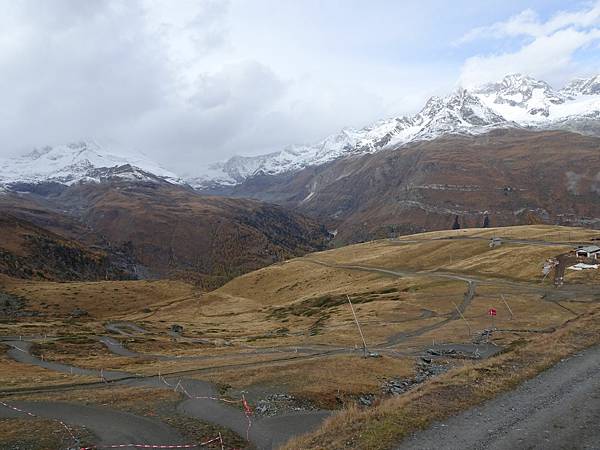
248	412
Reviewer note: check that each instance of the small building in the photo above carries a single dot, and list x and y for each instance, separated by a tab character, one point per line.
495	242
591	251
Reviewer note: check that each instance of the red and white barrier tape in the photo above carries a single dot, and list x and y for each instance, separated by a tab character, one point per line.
248	412
201	444
180	388
219	438
64	425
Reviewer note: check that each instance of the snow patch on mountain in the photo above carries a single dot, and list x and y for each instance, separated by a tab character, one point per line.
516	101
80	162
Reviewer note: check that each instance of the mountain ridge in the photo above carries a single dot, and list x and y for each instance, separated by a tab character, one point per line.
84	161
517	101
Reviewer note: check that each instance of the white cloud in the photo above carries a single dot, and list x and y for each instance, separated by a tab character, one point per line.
528	23
548	53
164	79
195	81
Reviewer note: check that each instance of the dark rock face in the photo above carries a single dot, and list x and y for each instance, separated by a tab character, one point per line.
175	328
78	313
48	188
10	305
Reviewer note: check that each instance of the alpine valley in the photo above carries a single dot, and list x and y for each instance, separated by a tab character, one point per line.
517	151
508	153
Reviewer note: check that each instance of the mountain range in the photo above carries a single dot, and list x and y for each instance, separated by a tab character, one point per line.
512	152
517	101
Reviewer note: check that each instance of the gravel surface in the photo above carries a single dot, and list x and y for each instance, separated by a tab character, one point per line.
109	426
558	409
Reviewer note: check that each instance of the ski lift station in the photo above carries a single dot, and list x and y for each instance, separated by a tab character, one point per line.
591	251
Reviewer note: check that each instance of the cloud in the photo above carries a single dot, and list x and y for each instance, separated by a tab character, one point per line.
76	69
547	52
162	79
194	81
528	23
225	105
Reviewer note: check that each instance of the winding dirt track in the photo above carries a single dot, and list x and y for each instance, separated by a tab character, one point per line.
110	427
264	433
558	409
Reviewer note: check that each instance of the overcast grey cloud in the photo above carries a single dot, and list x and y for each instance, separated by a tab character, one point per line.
194	81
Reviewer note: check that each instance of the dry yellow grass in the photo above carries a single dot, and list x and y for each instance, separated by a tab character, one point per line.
40	434
386	424
324	379
17	375
102	300
548	233
301	303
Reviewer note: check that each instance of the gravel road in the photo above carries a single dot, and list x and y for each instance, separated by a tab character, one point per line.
558	409
109	426
265	433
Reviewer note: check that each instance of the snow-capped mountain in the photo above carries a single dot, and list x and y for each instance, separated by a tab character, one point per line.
516	101
80	162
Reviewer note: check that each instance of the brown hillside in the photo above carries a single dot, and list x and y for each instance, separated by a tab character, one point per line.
519	177
28	251
178	233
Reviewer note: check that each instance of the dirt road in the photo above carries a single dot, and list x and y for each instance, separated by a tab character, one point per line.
559	409
109	426
265	433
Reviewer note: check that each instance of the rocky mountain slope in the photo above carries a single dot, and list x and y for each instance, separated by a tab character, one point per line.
32	252
516	102
169	230
511	176
175	232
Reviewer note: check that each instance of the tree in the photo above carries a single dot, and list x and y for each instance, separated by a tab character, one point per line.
456	224
486	221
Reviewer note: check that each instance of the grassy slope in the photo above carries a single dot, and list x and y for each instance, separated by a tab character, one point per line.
386	424
296	295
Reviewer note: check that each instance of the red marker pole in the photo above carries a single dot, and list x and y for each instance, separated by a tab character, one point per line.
492	313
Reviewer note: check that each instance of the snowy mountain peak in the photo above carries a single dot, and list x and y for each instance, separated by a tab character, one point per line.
84	161
516	100
519	91
583	86
461	109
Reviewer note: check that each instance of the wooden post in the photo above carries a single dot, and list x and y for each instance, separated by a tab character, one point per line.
463	318
508	307
358	325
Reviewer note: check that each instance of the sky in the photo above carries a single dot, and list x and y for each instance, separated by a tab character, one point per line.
189	82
